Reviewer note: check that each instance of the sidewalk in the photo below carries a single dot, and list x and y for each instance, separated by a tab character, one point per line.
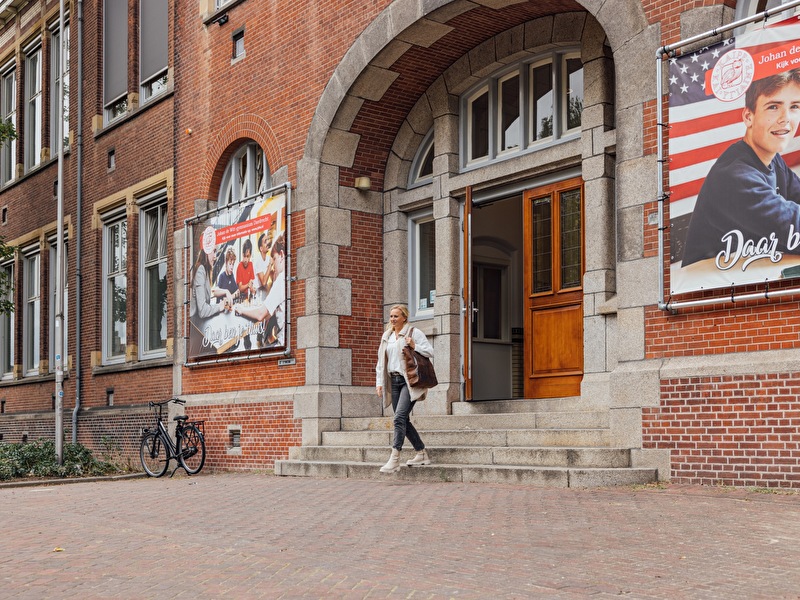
259	536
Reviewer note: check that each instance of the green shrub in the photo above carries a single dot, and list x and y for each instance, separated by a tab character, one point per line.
38	459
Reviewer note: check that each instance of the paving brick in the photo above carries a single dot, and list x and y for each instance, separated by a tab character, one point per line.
246	535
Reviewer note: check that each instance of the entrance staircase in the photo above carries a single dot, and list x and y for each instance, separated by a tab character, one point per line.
561	442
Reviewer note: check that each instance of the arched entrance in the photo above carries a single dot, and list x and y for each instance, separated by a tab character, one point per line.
405	79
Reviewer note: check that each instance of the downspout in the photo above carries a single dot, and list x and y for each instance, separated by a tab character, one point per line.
79	228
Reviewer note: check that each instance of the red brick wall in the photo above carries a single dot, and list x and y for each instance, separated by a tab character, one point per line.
732	430
268	430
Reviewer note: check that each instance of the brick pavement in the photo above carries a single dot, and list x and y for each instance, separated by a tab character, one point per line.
258	536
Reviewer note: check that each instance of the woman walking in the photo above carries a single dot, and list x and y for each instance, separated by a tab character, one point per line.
392	385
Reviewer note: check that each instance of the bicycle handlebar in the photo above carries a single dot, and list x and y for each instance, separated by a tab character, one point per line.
151	404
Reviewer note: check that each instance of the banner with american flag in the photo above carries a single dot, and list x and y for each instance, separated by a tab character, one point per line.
743	227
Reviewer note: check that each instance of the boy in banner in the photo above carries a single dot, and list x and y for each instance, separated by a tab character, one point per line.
750	196
226	280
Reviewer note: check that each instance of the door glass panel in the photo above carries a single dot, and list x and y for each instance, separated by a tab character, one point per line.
570	211
492	307
542	245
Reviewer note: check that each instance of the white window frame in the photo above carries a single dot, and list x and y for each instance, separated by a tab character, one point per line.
51	286
58	129
31	311
230	193
8	112
7	332
415	176
534	124
415	222
565	94
470	103
490	86
110	221
33	105
499	113
115	107
151	208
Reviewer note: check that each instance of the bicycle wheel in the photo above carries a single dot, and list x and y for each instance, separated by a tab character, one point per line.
153	454
192	450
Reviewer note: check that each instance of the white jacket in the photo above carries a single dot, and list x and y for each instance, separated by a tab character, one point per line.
422	345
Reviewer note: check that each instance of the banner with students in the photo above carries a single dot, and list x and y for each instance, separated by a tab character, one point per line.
237	280
734	197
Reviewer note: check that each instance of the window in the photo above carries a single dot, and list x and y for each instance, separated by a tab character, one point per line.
153	288
508	114
422	252
52	308
221	3
8	107
7	330
33	106
153	48
115	59
59	128
115	305
422	165
478	111
542	101
246	174
238	43
517	111
572	95
30	316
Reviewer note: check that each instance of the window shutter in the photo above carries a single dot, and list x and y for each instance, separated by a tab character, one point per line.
115	50
153	38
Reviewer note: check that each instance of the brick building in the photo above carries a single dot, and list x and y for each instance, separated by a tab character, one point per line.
421	152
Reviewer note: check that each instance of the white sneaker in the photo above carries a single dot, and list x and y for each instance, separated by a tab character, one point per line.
421	458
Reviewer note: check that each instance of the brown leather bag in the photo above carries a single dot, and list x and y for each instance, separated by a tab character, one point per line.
419	368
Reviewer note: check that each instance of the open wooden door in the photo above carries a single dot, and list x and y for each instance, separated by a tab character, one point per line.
554	265
466	294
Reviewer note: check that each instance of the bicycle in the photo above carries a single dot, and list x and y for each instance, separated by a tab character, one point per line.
157	447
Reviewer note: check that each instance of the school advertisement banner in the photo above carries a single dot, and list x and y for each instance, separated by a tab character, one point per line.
734	112
238	278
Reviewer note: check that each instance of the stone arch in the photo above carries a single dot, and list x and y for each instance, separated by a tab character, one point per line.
622	22
230	136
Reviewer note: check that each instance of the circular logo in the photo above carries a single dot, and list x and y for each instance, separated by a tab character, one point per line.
732	75
209	239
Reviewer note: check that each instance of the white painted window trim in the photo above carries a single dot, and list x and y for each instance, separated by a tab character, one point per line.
415	221
111	219
7	332
152	203
31	311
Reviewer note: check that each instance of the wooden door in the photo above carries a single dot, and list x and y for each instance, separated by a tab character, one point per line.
554	265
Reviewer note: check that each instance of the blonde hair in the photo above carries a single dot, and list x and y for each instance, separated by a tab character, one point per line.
403	311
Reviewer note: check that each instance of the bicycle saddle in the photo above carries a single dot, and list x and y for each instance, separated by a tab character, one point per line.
180	418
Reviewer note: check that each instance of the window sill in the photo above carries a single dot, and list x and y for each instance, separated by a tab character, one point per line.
132	366
28	379
151	102
214	16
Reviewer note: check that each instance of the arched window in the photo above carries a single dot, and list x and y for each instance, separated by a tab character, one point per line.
422	165
246	174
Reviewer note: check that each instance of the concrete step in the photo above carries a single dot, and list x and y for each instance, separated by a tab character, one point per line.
541	420
476	473
568	404
471	455
560	438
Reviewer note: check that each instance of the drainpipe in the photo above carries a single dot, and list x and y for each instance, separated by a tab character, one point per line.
79	228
